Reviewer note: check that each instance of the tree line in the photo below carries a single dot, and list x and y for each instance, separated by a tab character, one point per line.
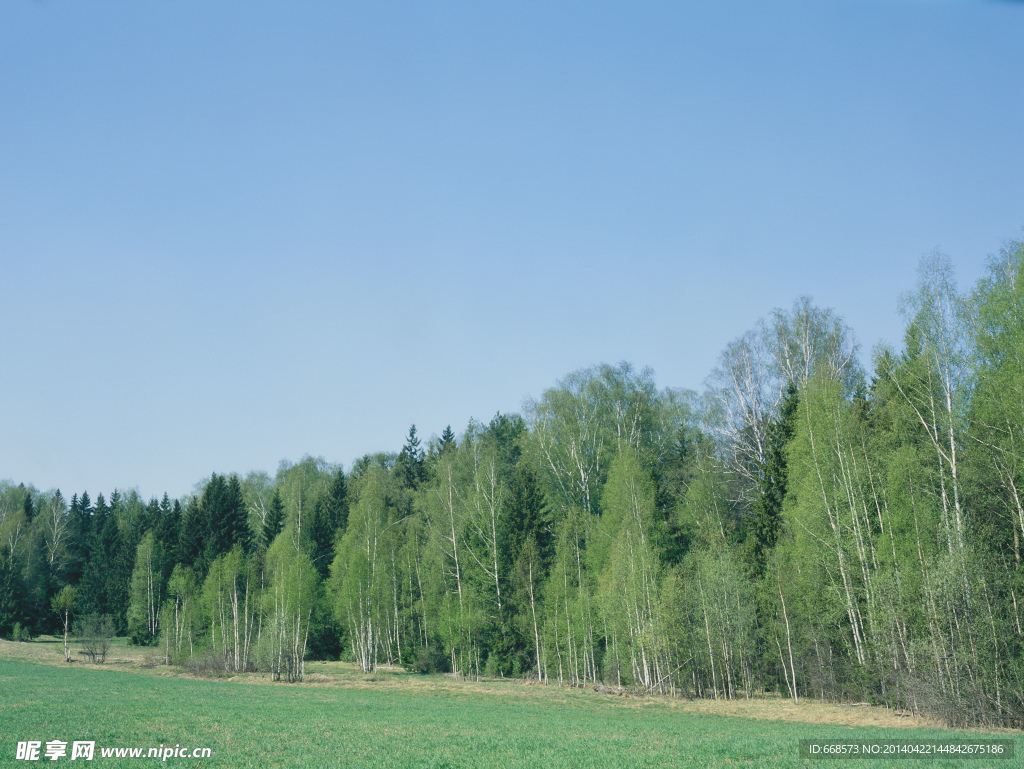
804	526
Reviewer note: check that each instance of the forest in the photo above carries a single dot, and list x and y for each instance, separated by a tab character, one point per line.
806	527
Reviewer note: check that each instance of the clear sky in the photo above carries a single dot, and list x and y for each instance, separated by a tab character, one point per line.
238	232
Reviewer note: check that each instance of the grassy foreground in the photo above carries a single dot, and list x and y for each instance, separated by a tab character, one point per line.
397	720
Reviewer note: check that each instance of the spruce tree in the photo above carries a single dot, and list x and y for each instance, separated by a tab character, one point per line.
93	586
235	524
27	506
526	516
321	537
409	467
223	514
10	588
191	538
766	512
274	522
447	440
169	526
337	502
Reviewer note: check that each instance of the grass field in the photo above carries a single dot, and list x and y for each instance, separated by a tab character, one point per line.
394	719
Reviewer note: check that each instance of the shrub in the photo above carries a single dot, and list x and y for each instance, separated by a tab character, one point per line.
431	660
94	632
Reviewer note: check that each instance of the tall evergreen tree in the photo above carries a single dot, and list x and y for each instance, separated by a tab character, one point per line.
168	528
192	536
275	518
409	467
337	502
9	590
447	440
28	506
766	512
222	510
503	435
321	537
93	588
526	517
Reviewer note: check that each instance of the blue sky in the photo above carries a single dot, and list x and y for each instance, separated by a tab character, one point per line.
234	233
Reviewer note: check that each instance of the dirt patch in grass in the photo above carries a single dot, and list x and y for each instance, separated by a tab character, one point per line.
809	712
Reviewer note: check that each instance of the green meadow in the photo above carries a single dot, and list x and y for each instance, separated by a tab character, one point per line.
395	719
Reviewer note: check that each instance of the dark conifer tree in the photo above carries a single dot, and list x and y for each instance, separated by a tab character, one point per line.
28	506
80	513
321	537
120	547
223	513
337	503
168	526
235	525
409	467
150	517
503	434
447	440
191	538
37	584
92	591
210	506
766	513
274	522
526	515
672	479
10	588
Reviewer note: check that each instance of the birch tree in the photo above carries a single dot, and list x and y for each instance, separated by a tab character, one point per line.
146	591
289	603
623	553
64	603
179	617
362	567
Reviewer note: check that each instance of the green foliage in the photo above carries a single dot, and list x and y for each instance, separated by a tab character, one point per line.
431	660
